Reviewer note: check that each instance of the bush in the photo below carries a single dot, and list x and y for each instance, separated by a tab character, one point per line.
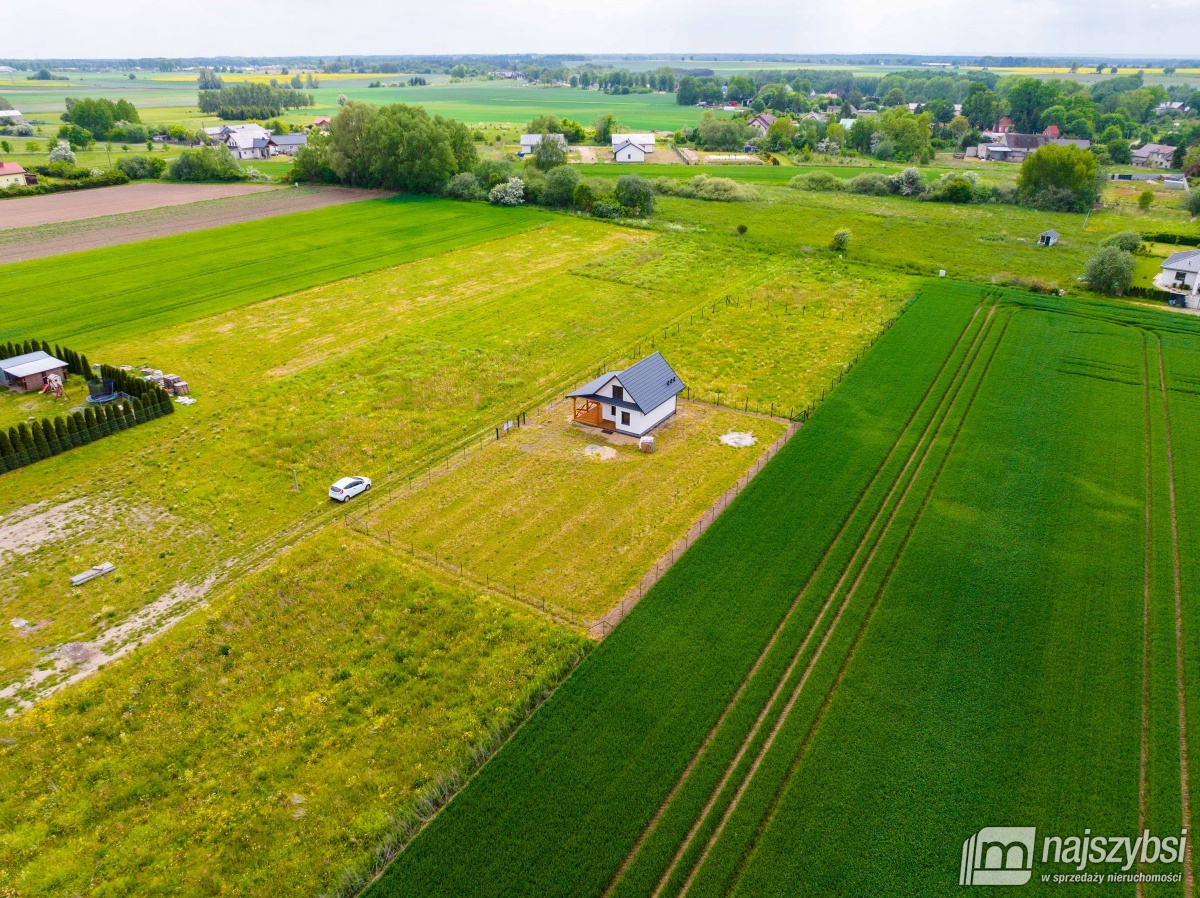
872	185
490	172
1110	271
635	194
703	187
206	164
955	189
1058	178
126	133
1191	202
583	198
62	153
1129	241
840	241
817	180
560	187
510	193
604	209
138	168
909	183
464	186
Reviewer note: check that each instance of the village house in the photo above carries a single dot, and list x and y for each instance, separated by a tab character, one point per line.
12	175
1014	147
761	123
530	142
644	141
29	372
1160	109
628	151
11	116
1154	155
286	144
322	122
1180	275
633	401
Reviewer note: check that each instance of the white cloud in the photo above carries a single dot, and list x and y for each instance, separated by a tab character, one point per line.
121	28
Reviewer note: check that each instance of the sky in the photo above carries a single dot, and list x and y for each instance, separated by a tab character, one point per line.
172	28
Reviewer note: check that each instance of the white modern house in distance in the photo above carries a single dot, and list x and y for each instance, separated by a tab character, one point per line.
628	151
1181	275
633	401
530	142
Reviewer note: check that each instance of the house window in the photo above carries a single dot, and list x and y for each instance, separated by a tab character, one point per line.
624	417
618	392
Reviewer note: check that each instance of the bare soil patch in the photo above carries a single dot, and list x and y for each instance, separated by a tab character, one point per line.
58	207
188	212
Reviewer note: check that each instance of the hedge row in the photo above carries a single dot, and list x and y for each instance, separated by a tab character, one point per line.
106	179
1178	239
26	443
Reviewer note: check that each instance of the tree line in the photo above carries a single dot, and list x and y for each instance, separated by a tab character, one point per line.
250	100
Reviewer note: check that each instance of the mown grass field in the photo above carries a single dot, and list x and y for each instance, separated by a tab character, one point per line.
926	640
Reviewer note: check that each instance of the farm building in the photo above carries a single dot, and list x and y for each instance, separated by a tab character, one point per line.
628	151
1014	147
12	175
633	401
530	142
286	144
28	372
322	122
645	141
1154	155
1048	238
11	116
1180	275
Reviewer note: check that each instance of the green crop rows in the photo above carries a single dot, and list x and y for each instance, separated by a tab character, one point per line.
950	603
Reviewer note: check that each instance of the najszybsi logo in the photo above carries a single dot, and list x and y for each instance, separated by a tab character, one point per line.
1004	855
998	856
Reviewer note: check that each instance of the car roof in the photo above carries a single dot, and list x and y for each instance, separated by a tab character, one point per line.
346	481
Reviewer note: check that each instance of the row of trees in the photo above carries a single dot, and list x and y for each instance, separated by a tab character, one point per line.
249	100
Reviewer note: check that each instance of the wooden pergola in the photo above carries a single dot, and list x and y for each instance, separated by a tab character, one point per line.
586	411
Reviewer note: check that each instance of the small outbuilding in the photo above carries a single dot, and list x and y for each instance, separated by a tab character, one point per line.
286	144
1048	238
29	372
530	142
633	401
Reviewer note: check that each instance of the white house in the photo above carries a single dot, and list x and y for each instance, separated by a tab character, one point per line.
1181	275
645	141
633	401
12	116
628	151
530	142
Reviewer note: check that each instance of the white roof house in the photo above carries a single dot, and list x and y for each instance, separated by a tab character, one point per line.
286	143
13	116
1181	275
645	141
633	401
25	372
530	142
628	151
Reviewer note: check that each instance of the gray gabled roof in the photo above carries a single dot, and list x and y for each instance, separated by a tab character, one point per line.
30	363
648	384
1189	260
283	140
1050	233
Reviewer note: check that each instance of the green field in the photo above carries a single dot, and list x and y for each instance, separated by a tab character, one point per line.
908	661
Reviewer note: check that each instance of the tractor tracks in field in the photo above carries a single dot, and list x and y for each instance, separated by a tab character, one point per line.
857	566
827	701
1146	597
1185	794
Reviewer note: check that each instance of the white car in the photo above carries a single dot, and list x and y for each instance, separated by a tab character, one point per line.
349	487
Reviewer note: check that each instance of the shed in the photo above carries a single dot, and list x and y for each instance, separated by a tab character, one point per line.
1048	238
633	401
23	373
